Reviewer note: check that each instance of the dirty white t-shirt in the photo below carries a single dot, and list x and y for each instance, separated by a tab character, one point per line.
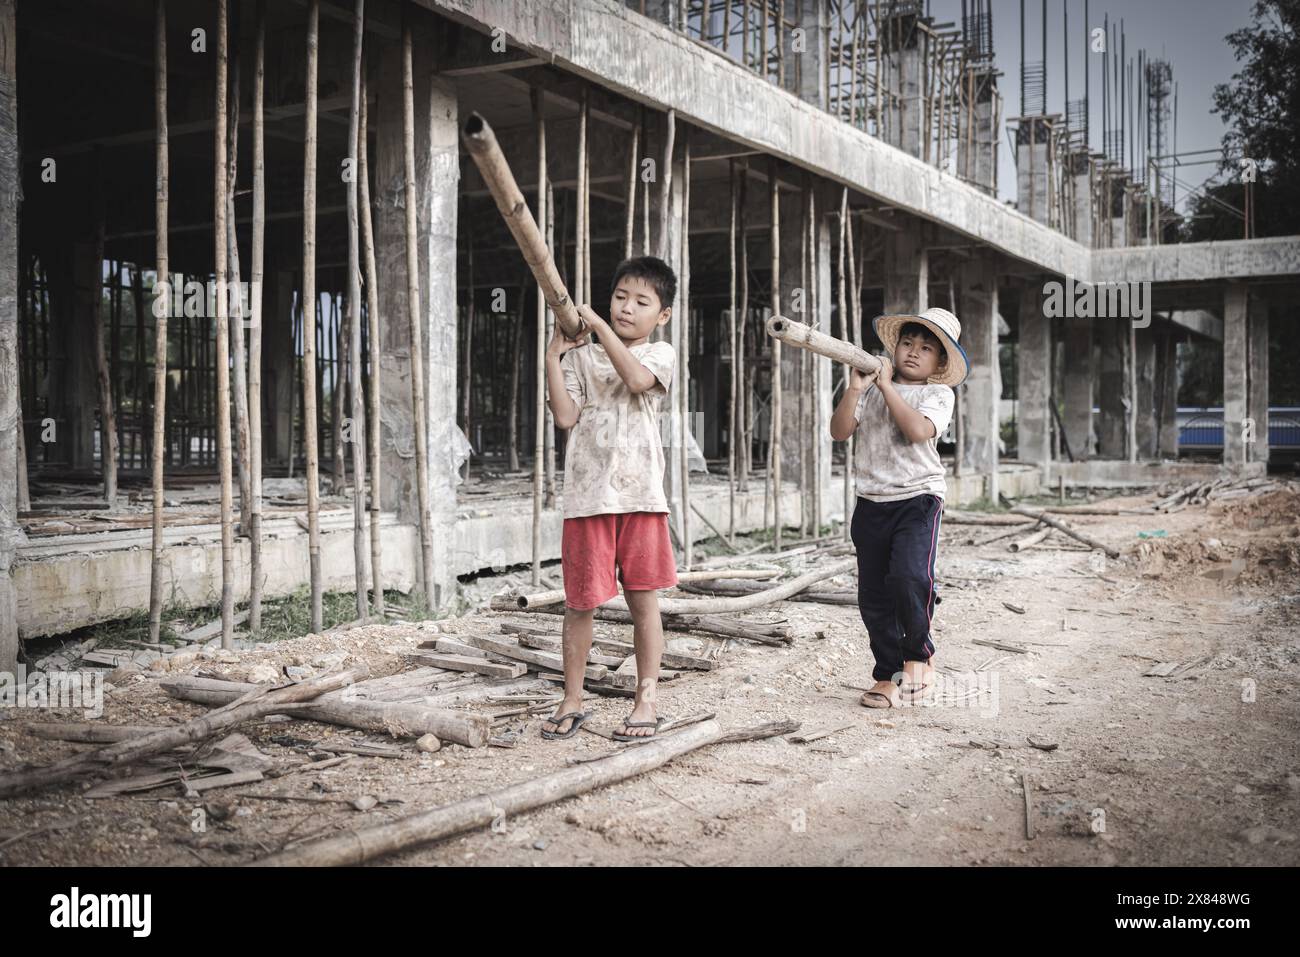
888	468
614	459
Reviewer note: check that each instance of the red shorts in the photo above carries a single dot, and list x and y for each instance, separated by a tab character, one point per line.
637	542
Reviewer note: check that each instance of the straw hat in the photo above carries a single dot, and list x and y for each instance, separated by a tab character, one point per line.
944	325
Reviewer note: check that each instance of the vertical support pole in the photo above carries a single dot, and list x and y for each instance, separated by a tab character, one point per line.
162	289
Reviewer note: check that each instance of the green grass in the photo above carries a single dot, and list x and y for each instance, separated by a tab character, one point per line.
282	618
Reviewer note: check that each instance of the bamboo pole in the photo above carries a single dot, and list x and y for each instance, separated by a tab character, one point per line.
541	417
255	332
733	433
309	304
684	357
549	437
413	319
107	416
844	334
666	186
814	428
645	188
580	220
337	336
744	416
162	288
629	227
481	143
586	214
803	336
467	366
373	434
233	292
775	404
357	439
425	827
223	340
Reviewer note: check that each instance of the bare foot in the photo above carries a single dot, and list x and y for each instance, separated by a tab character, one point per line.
883	694
918	680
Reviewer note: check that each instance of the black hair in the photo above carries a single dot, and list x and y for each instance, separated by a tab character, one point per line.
653	270
925	332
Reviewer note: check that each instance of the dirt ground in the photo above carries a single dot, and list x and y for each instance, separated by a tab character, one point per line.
1201	766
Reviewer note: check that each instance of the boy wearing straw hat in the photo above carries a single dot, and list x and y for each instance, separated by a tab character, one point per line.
900	490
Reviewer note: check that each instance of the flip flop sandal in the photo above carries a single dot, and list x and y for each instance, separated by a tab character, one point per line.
914	692
578	718
628	723
876	694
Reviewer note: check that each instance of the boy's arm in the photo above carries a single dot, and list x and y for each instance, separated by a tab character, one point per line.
914	425
845	419
563	407
635	375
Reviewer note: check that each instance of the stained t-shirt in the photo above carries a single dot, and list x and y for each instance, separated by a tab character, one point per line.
614	459
889	468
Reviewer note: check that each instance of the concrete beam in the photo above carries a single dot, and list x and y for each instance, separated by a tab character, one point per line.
662	69
1200	321
1193	262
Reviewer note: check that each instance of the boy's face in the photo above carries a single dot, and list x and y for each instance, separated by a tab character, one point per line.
916	357
634	310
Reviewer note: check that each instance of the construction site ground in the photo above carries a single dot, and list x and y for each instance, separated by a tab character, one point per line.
1153	717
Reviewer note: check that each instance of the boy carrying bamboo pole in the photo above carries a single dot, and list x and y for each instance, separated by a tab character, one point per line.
900	490
609	394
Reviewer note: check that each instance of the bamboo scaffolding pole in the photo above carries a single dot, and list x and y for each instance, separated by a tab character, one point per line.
549	331
629	227
223	340
733	432
744	417
814	428
481	143
255	331
374	436
844	335
414	319
234	292
107	416
309	304
336	337
666	186
541	416
466	365
645	188
803	357
357	438
162	287
586	209
684	357
580	220
774	469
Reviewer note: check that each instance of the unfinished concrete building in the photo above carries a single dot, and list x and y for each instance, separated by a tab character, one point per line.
774	153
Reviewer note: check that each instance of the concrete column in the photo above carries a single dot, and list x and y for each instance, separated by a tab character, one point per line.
977	146
1147	397
1034	378
10	532
437	177
1077	414
907	272
1080	170
1033	186
1257	353
1235	373
979	319
906	53
1167	392
1110	389
813	43
278	400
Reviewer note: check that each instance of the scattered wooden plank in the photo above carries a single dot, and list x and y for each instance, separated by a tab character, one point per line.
541	659
1009	606
480	666
556	646
808	737
1060	526
1026	786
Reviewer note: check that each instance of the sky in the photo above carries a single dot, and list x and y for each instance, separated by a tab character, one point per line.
1188	33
